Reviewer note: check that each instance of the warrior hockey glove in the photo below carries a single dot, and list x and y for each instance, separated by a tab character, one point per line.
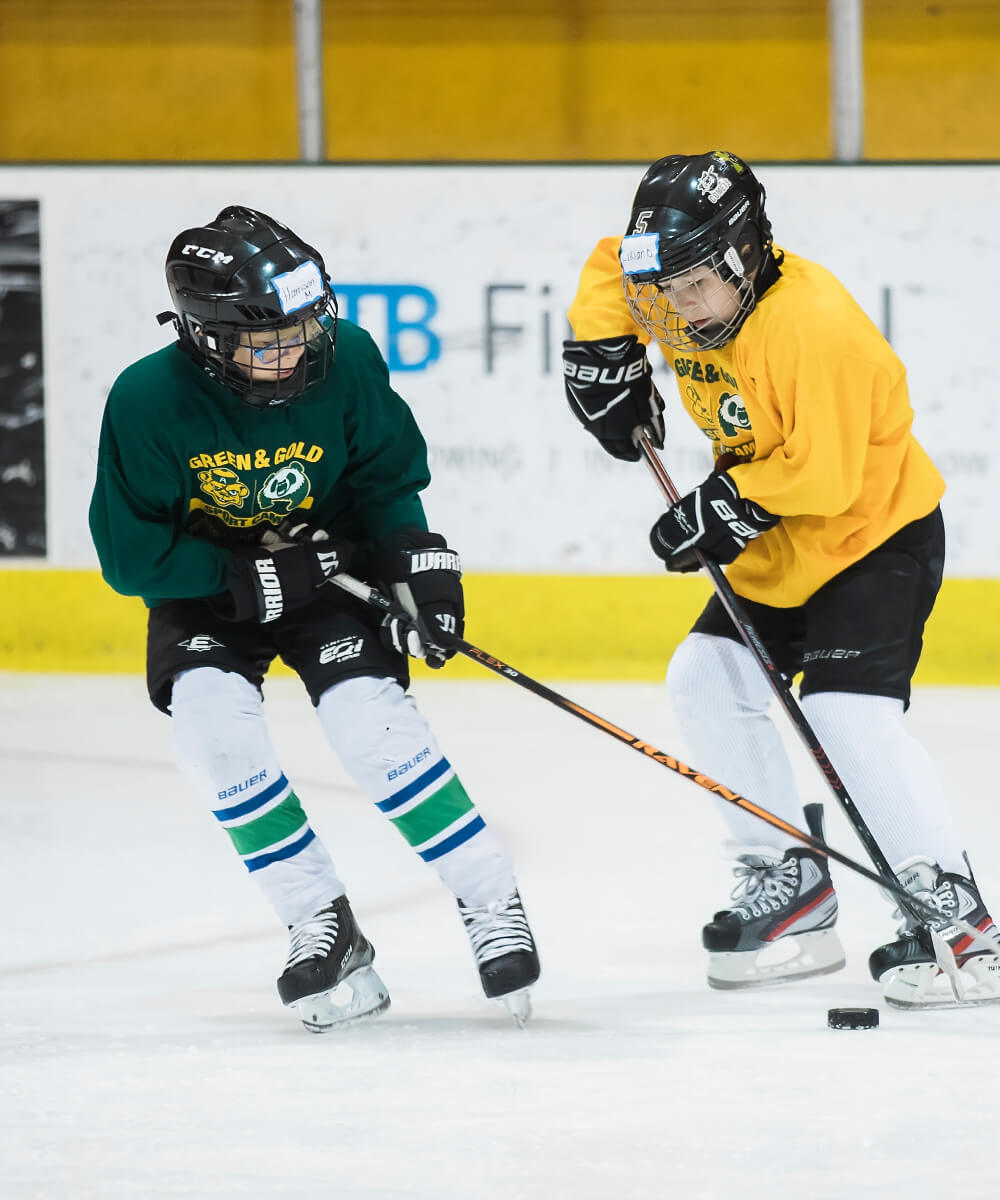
713	520
282	574
426	579
611	392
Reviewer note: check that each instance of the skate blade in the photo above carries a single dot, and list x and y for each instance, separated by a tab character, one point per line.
322	1013
518	1004
798	956
926	986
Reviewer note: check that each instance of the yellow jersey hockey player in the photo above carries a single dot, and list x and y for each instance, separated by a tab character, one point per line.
825	509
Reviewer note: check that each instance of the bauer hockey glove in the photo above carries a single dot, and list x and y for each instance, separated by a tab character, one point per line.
426	580
713	520
282	573
610	390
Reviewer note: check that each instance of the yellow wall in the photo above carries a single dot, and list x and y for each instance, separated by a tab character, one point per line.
552	627
147	79
467	79
933	79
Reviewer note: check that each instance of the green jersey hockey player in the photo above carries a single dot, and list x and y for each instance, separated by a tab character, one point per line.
239	470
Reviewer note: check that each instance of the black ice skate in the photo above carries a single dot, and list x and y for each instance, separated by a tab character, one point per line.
781	926
327	953
908	969
504	951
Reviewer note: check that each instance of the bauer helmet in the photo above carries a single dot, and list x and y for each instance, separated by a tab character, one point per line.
697	253
254	306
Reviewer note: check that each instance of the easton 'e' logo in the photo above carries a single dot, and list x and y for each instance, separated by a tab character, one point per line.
200	643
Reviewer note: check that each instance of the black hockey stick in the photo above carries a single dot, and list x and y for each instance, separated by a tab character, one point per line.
376	599
731	603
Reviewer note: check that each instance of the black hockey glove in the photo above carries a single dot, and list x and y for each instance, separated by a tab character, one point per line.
611	392
714	520
282	574
426	580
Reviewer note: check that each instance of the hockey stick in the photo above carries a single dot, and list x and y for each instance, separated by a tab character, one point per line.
782	692
373	597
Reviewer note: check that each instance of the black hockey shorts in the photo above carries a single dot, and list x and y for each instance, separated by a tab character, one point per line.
332	639
862	631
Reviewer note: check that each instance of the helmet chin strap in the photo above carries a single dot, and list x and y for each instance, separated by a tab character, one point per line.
768	273
706	334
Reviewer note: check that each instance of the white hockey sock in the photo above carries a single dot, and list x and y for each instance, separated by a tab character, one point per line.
721	699
224	751
385	743
890	776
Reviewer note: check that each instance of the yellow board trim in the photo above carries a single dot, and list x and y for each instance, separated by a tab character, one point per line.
552	627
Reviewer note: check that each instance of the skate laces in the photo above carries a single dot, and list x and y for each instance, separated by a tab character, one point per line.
764	884
944	898
312	938
497	928
941	898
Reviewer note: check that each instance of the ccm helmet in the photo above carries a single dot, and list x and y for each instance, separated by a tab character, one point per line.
697	253
254	306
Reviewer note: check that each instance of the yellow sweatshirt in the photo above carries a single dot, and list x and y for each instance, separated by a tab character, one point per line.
814	400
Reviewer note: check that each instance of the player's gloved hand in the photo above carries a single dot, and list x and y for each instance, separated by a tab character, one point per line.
610	389
292	532
282	574
426	580
713	520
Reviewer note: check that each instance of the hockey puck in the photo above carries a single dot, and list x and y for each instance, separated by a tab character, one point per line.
852	1018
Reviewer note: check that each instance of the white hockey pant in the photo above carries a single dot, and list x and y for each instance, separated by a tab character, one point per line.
721	698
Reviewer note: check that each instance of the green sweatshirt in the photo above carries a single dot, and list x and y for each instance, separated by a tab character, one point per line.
186	470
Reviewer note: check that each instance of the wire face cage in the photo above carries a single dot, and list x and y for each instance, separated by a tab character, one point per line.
701	308
268	363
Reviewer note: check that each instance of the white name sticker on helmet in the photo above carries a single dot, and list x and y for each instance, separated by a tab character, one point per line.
733	261
640	252
298	288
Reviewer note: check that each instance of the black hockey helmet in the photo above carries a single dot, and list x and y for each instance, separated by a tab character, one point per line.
239	279
691	212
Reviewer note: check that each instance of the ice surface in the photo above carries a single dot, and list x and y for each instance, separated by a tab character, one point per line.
145	1053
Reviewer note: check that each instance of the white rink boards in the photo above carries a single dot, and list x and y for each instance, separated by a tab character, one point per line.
464	275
